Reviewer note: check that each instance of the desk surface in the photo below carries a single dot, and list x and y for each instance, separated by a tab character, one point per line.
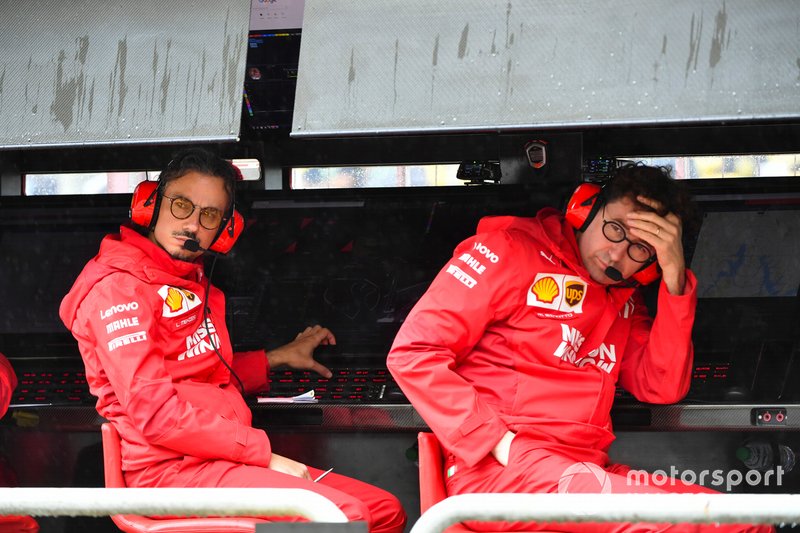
404	418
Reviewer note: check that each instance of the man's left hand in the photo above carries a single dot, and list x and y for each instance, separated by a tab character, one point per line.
665	235
299	353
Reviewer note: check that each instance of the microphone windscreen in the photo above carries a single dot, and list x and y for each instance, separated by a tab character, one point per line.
191	245
614	274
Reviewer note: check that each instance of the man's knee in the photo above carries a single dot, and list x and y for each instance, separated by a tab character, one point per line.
387	515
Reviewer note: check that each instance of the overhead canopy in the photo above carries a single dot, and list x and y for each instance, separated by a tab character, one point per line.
416	66
102	72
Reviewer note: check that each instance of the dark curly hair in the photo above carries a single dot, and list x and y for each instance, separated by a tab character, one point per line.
637	179
203	162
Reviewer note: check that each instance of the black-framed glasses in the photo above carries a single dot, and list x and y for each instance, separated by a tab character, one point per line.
615	232
181	208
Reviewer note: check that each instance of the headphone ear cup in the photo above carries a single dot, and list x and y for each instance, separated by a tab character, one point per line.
229	234
583	205
143	203
648	274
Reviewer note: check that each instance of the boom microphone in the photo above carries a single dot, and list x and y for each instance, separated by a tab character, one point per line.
611	272
194	246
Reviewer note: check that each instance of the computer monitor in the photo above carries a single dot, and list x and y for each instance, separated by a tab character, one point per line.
270	79
747	263
748	253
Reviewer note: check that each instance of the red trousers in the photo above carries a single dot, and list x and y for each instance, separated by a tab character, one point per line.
537	467
359	501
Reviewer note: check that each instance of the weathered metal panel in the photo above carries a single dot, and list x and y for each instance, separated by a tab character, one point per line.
104	72
449	65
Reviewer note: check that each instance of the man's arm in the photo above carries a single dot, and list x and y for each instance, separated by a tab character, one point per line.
657	364
253	367
300	352
444	326
8	382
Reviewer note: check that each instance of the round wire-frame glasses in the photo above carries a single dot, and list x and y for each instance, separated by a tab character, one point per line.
182	208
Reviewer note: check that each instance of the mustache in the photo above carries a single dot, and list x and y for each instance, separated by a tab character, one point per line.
188	234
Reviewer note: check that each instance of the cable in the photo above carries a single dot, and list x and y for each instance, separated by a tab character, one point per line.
208	331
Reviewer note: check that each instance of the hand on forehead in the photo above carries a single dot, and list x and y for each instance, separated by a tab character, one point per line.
657	206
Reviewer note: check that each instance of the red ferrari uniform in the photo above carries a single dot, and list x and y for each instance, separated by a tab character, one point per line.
137	315
513	334
8	382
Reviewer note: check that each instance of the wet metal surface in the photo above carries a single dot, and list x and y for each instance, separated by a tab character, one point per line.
462	65
79	72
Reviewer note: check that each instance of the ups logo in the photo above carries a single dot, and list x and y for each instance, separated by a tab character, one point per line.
574	292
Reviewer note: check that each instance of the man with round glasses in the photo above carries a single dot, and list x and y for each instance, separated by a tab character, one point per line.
513	354
151	330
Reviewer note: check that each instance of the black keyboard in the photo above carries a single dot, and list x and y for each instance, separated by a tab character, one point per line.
64	387
711	375
347	385
710	381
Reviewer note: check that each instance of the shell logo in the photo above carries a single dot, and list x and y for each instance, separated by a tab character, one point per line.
177	301
174	299
546	290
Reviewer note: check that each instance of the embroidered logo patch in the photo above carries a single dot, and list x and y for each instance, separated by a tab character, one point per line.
558	292
545	290
574	291
177	301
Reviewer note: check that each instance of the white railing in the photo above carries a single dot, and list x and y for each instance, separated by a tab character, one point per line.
48	501
674	508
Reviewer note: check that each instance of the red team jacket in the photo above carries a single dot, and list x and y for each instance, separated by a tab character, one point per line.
513	334
137	316
8	382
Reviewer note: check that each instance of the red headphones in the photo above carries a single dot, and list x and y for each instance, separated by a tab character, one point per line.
146	201
583	206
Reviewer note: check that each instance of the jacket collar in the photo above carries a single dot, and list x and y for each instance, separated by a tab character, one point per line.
142	254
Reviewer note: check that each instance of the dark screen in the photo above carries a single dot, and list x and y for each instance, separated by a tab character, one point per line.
748	253
747	261
45	243
270	79
357	267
